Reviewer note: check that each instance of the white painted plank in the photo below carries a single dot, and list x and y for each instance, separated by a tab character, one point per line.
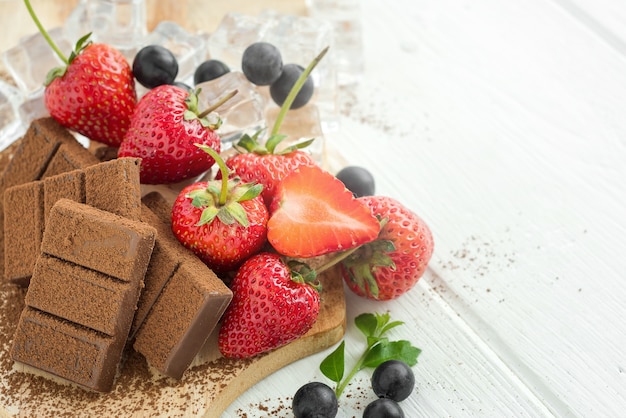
507	117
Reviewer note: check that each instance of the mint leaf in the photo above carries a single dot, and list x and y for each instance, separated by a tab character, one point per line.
367	324
395	350
333	365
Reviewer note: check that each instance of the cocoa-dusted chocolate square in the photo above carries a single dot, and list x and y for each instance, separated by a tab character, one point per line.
182	319
114	186
177	323
67	350
99	240
23	230
70	185
83	296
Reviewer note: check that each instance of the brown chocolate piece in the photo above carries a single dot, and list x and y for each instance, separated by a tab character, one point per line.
32	160
189	305
182	319
98	240
79	313
67	350
112	186
83	296
23	230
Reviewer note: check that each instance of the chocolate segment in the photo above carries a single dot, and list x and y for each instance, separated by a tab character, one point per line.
98	240
172	325
83	296
23	230
67	350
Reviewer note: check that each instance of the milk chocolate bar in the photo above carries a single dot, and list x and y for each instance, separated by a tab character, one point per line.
112	186
67	350
172	328
83	294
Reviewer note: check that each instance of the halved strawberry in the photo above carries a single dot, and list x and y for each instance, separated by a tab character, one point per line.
314	214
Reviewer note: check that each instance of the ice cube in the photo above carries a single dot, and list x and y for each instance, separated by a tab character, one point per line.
119	23
242	114
189	49
32	108
32	58
234	33
300	125
10	126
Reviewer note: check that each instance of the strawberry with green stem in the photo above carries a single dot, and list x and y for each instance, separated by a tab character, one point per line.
264	163
164	131
224	222
93	93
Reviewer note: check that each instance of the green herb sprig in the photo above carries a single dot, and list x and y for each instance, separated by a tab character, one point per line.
379	349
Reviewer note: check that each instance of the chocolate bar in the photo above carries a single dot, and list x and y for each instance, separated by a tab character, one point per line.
175	321
83	294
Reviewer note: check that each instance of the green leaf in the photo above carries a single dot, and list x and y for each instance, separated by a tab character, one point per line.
390	326
208	215
237	212
56	72
395	350
225	216
367	324
273	141
333	365
250	192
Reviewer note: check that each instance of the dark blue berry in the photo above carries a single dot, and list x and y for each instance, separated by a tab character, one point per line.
209	70
155	65
393	379
383	408
262	63
358	180
315	400
279	89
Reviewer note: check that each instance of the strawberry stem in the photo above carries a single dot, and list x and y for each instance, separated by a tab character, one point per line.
295	90
44	33
223	169
217	104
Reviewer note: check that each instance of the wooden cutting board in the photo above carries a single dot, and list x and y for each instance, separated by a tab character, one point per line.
206	389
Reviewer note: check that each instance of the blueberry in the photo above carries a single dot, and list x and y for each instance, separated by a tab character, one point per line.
209	70
383	408
393	379
315	400
358	180
155	65
279	89
262	63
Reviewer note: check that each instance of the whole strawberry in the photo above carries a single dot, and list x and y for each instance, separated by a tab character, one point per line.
391	265
272	305
265	165
94	95
223	222
163	132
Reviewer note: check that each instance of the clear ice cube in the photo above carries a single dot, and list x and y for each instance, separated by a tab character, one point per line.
234	33
242	114
119	23
11	127
300	125
189	49
32	108
32	58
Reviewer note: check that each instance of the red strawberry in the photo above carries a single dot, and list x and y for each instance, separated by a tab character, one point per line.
265	165
314	214
271	307
223	222
163	131
391	265
95	94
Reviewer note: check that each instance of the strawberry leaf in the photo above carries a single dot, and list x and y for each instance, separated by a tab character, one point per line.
235	212
333	365
391	350
208	214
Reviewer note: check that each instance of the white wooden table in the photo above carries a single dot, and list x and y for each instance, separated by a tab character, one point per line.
502	124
